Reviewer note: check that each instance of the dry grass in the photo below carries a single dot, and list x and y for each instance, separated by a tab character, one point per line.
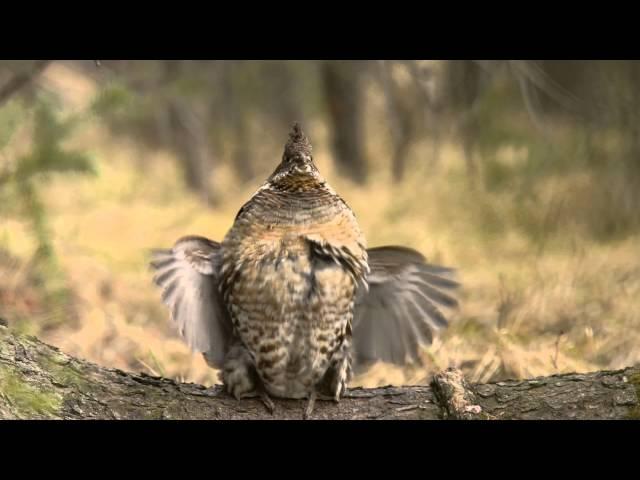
527	309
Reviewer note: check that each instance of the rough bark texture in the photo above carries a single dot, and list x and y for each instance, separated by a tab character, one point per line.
39	381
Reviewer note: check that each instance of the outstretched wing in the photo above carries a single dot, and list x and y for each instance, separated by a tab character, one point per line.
398	313
188	276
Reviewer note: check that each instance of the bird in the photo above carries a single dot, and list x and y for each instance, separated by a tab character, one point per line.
291	302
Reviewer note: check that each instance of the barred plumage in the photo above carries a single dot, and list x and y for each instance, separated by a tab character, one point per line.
276	304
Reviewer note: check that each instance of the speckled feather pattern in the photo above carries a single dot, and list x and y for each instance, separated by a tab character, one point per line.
290	268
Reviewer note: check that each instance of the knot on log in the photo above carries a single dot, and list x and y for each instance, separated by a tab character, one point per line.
455	396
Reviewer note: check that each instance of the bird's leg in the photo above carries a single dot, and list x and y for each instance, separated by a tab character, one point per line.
241	379
312	402
261	393
315	395
334	383
266	400
338	394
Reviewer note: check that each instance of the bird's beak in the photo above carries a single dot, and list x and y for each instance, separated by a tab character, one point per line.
303	158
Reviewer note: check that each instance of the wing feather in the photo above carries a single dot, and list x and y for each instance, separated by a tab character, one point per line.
399	313
188	276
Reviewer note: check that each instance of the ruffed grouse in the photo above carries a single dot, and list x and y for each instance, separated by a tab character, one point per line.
292	299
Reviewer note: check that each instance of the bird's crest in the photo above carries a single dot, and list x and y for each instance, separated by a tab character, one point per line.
298	142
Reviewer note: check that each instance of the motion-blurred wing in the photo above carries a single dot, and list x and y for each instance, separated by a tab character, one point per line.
188	277
398	314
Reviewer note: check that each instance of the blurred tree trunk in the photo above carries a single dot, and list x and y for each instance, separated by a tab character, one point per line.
463	88
188	138
564	78
400	110
40	382
411	111
602	93
342	81
190	144
286	101
632	120
236	118
21	80
430	108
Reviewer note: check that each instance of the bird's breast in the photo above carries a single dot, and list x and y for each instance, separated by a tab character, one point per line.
290	311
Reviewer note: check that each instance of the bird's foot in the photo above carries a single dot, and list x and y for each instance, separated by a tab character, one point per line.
312	402
313	396
262	395
267	402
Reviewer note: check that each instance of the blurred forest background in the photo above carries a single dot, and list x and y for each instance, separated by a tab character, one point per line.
524	175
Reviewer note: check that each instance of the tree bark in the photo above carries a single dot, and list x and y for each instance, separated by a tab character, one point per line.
38	381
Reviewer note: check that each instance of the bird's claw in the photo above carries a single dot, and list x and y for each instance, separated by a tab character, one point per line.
310	405
267	402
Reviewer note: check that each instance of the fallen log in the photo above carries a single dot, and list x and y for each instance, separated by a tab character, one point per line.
38	381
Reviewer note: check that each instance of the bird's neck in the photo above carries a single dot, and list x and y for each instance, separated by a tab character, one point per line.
297	182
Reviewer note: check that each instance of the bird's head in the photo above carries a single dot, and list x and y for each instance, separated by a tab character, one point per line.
297	159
